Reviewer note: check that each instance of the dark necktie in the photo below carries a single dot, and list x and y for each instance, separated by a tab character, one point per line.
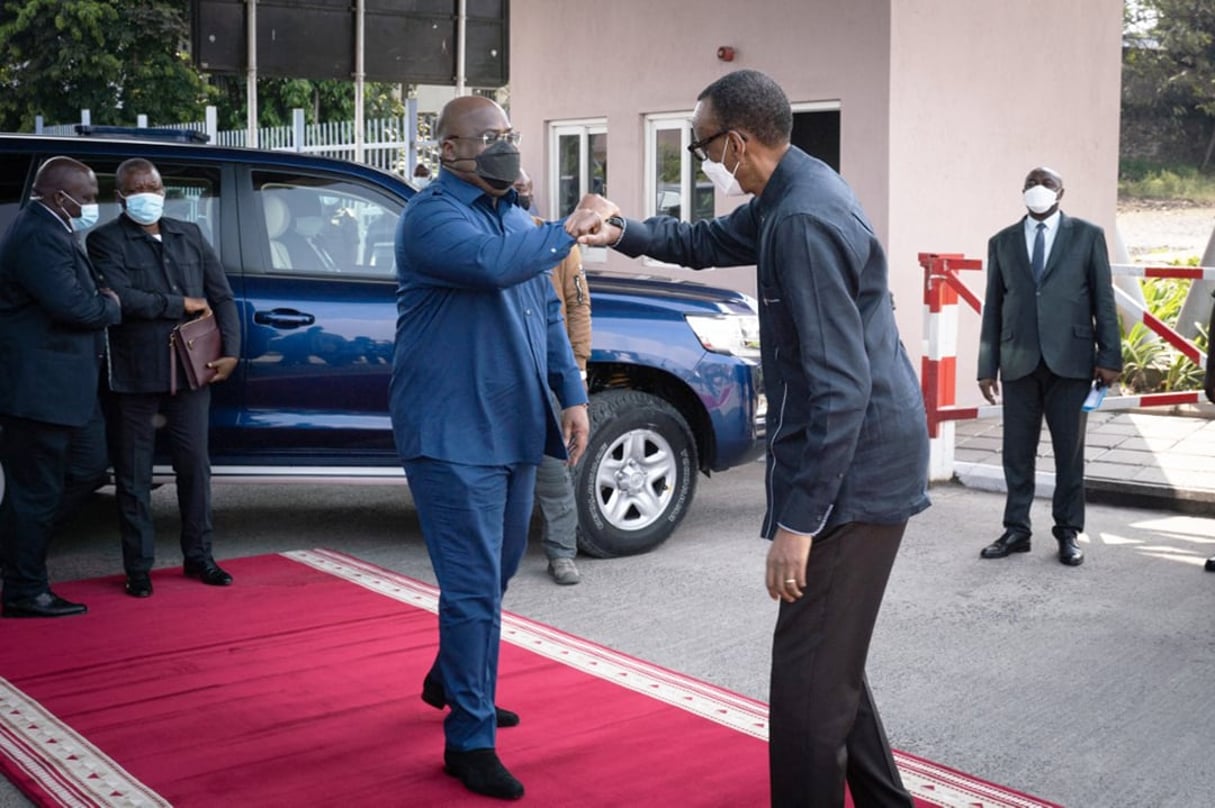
1038	262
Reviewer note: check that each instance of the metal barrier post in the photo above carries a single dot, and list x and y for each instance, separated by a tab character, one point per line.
938	367
938	372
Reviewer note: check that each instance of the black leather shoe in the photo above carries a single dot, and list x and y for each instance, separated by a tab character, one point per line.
1069	551
1210	565
208	574
432	694
139	585
1011	542
48	604
482	773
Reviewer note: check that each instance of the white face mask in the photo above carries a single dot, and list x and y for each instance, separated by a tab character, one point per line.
724	180
1040	199
89	214
145	208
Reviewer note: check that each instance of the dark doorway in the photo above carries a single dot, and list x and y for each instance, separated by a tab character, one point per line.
817	133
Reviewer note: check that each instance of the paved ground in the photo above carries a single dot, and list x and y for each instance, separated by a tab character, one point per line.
1159	232
1150	458
1091	686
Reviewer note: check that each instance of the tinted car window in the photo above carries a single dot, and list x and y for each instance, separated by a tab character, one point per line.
14	171
321	225
191	194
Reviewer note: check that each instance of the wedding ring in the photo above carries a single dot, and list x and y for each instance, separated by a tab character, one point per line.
790	580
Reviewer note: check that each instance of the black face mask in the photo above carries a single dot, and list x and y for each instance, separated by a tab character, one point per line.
498	165
524	202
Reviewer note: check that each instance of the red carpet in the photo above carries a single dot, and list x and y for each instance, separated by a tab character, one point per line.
299	686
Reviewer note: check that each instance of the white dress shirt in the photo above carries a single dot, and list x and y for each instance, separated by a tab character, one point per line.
1048	236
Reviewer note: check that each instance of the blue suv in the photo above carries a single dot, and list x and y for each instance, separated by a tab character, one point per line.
307	243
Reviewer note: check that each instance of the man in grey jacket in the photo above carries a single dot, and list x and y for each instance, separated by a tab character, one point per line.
1049	329
847	440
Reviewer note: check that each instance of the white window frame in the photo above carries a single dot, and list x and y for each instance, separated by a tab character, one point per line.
583	128
682	121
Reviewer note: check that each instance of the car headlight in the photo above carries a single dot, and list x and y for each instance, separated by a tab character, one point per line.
731	334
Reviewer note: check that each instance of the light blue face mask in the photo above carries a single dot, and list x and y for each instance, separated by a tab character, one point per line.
89	214
145	208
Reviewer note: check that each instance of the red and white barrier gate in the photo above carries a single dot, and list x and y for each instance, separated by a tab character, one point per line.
938	372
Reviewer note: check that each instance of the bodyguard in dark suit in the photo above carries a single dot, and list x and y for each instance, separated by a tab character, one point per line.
53	314
479	344
164	272
1049	329
847	437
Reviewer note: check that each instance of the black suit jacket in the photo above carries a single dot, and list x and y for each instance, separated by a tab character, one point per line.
52	322
152	280
1068	320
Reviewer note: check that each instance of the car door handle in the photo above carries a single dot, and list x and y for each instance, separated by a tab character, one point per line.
283	318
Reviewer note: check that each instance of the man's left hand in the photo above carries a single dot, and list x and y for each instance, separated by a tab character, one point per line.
788	558
1106	376
576	428
223	367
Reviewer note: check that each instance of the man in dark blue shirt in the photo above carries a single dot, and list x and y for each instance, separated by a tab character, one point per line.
847	437
479	343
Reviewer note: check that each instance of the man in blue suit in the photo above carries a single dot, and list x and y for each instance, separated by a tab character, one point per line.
53	313
1050	329
479	343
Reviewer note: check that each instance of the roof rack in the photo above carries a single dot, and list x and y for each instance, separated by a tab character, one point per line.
144	133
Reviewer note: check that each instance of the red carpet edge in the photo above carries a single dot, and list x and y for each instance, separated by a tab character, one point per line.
45	756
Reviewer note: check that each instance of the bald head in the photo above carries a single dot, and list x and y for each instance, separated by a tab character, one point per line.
470	115
462	131
61	174
1043	175
65	185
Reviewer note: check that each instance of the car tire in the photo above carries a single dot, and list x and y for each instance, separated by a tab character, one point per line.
637	477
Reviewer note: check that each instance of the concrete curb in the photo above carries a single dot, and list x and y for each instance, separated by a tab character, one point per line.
1125	493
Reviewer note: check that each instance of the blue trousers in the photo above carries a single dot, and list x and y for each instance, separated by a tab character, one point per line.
475	521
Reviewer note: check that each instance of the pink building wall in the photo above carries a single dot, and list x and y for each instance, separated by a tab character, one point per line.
944	106
981	92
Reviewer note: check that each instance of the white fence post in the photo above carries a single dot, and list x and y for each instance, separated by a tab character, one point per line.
297	129
411	136
141	121
212	123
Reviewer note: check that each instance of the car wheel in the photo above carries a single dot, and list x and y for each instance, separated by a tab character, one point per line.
638	476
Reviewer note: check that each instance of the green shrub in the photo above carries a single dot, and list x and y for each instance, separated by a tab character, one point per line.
1149	364
1140	179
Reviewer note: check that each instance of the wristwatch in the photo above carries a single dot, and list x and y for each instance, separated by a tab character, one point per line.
616	221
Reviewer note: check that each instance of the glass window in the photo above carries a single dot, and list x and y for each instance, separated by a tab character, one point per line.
579	164
325	225
672	175
14	172
191	195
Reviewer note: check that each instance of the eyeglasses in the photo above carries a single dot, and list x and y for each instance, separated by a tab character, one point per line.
697	147
511	136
